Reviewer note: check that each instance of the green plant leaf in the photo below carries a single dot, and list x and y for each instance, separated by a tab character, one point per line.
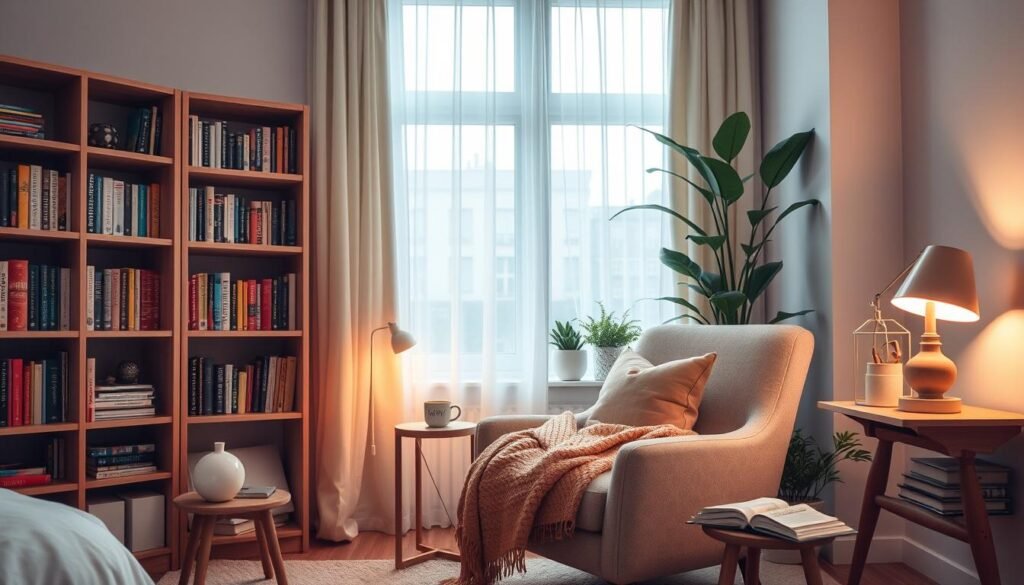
783	315
691	155
751	250
760	278
731	135
748	177
708	195
683	302
714	242
711	281
757	215
664	209
695	288
783	157
728	302
730	186
796	206
680	263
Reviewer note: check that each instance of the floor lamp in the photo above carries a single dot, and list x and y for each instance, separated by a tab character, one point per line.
401	340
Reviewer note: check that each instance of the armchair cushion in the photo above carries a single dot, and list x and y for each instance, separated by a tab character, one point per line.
591	513
638	393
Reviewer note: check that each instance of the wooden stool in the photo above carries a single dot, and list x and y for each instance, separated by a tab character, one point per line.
204	516
755	543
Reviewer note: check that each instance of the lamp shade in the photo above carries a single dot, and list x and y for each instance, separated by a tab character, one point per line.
945	276
401	340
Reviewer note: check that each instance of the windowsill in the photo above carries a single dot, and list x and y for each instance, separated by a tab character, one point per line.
582	384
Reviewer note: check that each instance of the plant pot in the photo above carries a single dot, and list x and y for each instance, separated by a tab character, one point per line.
604	359
569	364
790	557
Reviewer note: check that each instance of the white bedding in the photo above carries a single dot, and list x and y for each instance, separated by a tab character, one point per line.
47	543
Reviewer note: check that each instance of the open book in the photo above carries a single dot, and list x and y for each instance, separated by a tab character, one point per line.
772	516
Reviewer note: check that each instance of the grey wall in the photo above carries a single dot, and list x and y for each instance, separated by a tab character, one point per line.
963	152
245	48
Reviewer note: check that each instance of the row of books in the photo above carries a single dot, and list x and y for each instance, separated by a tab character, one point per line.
217	303
18	475
34	297
21	121
33	197
115	207
123	299
144	130
120	460
934	483
233	219
268	149
34	392
266	385
116	401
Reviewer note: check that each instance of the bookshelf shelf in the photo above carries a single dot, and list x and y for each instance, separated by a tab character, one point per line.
37	429
130	422
114	481
109	158
245	334
233	178
57	487
131	334
222	249
27	235
38	335
104	240
242	418
23	144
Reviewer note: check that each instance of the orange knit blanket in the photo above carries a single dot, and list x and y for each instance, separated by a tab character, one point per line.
528	485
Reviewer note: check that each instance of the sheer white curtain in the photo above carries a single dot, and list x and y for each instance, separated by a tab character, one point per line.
512	149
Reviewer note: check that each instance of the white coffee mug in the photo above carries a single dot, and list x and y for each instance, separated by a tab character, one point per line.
438	413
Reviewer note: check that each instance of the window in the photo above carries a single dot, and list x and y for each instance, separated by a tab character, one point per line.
506	180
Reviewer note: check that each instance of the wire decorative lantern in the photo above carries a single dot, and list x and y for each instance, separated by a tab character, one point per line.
880	350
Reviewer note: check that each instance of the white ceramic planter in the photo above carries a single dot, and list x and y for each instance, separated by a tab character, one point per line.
790	557
569	365
604	359
883	385
218	475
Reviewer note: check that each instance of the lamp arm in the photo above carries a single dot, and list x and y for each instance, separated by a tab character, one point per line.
899	277
373	441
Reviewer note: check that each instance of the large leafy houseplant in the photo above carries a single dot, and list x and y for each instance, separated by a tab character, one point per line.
809	469
734	283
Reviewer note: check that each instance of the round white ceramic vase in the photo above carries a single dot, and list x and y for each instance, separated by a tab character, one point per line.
218	475
604	359
569	364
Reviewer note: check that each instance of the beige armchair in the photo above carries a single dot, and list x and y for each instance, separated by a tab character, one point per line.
632	522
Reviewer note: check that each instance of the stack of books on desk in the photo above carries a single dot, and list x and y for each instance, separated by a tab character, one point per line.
934	484
105	462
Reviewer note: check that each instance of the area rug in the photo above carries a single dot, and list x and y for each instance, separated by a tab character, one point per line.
539	572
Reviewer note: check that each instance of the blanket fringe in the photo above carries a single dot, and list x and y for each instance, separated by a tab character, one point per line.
510	563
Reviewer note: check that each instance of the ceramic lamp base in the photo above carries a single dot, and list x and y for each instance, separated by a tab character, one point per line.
944	405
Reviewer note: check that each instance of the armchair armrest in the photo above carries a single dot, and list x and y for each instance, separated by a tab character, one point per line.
658	484
493	427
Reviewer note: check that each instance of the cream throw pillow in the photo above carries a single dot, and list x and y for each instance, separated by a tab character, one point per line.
638	393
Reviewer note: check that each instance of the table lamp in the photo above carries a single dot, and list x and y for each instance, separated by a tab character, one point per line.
401	340
940	285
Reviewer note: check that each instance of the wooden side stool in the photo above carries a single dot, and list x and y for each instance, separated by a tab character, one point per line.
204	516
755	543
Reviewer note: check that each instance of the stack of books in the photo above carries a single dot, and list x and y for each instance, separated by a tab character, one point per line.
217	303
34	297
267	385
33	392
116	208
144	131
19	121
233	219
934	484
33	197
123	299
798	523
260	148
17	475
119	401
120	460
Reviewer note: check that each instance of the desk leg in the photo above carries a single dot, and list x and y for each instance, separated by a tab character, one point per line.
398	501
878	477
418	490
195	535
979	533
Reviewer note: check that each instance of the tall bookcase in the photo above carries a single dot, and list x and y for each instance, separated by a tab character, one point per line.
70	100
288	430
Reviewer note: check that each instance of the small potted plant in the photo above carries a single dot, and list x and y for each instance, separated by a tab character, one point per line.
569	359
608	336
809	470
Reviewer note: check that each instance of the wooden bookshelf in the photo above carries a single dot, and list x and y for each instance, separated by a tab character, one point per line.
289	430
70	100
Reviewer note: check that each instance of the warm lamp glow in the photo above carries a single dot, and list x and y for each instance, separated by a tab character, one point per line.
943	311
943	276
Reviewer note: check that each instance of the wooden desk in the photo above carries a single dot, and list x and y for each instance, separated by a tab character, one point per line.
962	435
